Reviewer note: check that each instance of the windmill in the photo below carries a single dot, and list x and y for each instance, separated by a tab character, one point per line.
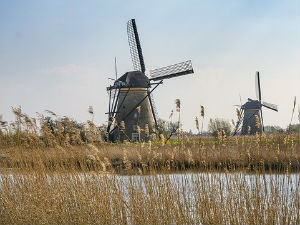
251	117
131	113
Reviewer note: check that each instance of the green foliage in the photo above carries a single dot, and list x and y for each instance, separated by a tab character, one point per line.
219	125
293	128
167	128
273	130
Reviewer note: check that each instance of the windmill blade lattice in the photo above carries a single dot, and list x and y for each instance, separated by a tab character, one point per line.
135	46
175	70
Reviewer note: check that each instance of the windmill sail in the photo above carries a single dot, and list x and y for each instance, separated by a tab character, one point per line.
175	70
270	106
257	86
135	46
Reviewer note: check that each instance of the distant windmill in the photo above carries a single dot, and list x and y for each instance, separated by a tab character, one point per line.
131	113
251	117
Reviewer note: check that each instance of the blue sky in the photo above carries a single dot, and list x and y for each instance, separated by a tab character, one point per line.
57	55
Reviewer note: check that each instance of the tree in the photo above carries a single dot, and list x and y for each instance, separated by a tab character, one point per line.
293	128
219	125
273	130
167	128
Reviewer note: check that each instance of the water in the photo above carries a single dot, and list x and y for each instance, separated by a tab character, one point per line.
191	188
178	180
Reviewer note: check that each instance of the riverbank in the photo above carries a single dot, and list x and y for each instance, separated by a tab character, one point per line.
265	153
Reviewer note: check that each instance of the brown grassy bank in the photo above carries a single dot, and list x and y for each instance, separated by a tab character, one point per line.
67	175
277	153
55	144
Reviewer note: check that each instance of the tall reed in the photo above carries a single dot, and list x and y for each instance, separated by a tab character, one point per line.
91	198
276	153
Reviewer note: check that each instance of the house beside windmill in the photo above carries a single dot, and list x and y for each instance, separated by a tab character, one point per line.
132	114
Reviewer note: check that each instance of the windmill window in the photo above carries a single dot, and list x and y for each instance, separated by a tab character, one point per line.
135	115
135	136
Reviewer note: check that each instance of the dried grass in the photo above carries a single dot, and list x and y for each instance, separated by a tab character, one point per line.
91	198
68	175
273	153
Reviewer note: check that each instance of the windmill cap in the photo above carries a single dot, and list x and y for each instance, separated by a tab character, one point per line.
252	104
135	79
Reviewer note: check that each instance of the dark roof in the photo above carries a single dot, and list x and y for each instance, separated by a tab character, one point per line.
252	104
134	79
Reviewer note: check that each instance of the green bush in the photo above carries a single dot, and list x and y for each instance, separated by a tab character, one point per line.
167	128
219	125
273	130
293	128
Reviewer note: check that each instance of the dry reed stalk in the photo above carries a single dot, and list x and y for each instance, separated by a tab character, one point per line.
197	124
171	115
257	122
207	198
238	113
202	115
147	132
62	147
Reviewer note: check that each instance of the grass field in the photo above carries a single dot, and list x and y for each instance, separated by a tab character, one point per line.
272	153
53	177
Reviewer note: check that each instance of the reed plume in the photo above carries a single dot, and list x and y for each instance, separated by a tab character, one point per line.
238	113
202	111
91	112
177	103
202	115
197	124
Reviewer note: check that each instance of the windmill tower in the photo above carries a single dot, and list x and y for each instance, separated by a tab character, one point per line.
251	119
131	113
